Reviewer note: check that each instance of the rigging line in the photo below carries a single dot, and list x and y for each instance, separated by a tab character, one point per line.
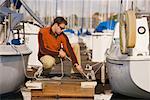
82	24
30	11
56	7
4	3
46	17
16	3
90	14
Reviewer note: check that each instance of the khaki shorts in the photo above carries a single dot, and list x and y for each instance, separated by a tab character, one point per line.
49	61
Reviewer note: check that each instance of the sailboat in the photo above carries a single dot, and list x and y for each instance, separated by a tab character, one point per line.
128	60
14	53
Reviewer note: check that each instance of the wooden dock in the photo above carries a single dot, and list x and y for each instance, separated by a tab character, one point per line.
62	89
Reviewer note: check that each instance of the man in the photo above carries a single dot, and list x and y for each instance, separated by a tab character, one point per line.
54	44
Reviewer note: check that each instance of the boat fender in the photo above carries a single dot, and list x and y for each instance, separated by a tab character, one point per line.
130	27
127	31
122	35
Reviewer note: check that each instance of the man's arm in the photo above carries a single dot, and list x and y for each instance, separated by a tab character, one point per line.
68	49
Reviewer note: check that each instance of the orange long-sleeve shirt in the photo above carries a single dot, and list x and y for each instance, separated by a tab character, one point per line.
50	44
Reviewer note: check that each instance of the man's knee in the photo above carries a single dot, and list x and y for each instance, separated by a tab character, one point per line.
47	61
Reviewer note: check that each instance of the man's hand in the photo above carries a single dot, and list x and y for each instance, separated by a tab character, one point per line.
79	68
62	54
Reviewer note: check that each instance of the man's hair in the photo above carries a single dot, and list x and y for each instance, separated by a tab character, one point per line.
59	20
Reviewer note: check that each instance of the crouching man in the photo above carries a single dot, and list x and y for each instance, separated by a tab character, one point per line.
51	40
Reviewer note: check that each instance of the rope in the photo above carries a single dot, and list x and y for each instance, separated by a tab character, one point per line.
98	68
96	65
62	72
23	62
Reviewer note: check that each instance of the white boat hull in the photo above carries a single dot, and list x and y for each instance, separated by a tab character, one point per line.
129	75
12	67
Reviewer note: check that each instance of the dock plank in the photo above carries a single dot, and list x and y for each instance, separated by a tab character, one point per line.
63	89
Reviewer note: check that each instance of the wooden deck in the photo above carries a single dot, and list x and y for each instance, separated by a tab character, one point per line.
63	89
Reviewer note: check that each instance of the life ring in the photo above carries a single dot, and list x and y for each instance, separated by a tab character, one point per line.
130	27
